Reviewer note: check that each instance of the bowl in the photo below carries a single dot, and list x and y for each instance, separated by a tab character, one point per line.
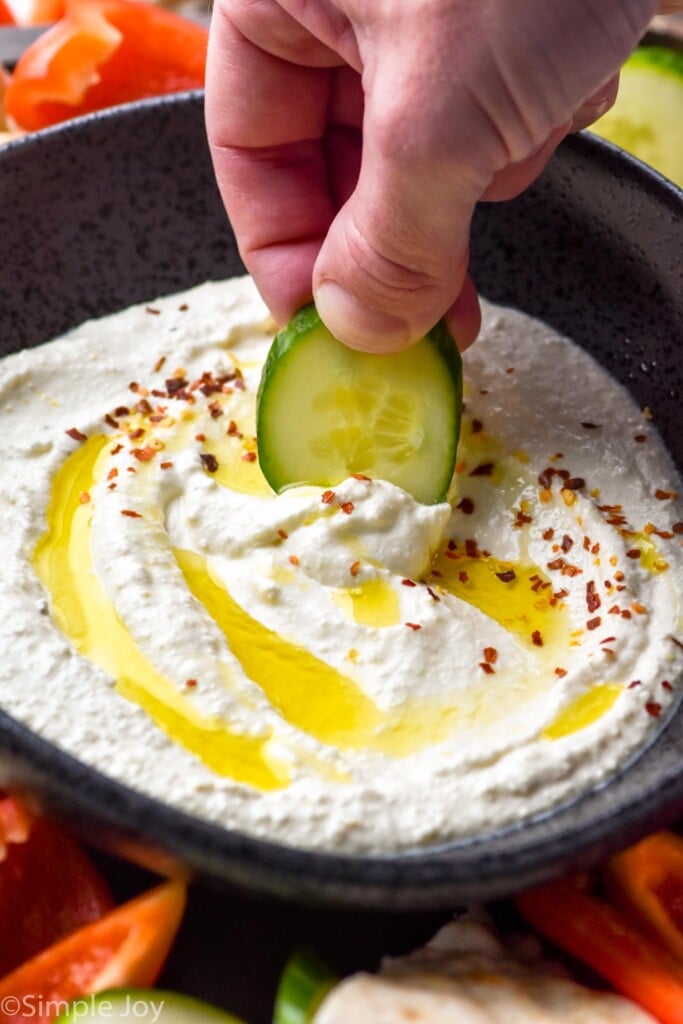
120	207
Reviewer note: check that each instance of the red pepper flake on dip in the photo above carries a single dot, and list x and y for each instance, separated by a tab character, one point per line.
211	622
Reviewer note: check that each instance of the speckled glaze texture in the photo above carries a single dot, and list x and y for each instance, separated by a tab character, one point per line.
121	207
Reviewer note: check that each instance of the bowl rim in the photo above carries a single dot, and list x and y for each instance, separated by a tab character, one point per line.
421	878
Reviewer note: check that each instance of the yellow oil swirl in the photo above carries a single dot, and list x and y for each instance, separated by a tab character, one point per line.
583	711
85	614
511	601
310	694
373	602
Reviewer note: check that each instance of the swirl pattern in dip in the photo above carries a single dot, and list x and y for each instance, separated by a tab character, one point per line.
343	669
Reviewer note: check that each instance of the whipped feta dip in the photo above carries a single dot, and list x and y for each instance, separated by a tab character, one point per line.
342	669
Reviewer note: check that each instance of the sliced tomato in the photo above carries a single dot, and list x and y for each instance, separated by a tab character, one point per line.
101	53
6	16
48	886
127	947
646	881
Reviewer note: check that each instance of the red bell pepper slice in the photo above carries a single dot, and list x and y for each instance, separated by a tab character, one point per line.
127	947
102	53
601	936
48	886
646	881
6	16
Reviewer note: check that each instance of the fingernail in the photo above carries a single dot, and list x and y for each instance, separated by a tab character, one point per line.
355	324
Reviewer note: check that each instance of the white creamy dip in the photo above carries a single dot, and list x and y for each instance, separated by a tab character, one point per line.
343	669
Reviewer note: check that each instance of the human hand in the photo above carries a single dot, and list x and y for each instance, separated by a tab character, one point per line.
352	139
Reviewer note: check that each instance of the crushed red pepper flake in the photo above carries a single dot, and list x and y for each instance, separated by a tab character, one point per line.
413	625
215	410
354	568
593	600
112	473
632	685
590	426
477	426
666	684
145	454
437	572
327	496
560	672
130	513
361	476
466	506
638	608
594	623
249	457
653	708
640	438
548	534
200	437
152	310
662	495
84	497
489	669
190	683
135	435
282	534
231	428
210	462
507	576
433	595
111	422
471	548
293	559
409	583
346	507
677	528
567	543
159	363
633	553
521	518
75	434
608	640
626	614
536	638
463	576
484	469
166	465
116	449
490	655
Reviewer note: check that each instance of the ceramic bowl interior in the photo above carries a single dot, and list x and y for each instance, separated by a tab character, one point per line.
121	207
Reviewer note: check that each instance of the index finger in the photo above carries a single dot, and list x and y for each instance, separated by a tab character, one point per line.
266	120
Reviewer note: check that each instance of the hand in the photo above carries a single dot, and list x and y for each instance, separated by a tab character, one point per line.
352	139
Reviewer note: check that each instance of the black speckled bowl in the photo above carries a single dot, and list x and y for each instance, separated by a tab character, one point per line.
121	207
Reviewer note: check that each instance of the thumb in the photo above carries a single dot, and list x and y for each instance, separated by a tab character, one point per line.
395	257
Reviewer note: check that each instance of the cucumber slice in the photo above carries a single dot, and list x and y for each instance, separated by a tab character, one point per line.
305	982
146	1005
647	118
326	411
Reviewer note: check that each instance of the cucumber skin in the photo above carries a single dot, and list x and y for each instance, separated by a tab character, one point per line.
658	58
202	1010
308	319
